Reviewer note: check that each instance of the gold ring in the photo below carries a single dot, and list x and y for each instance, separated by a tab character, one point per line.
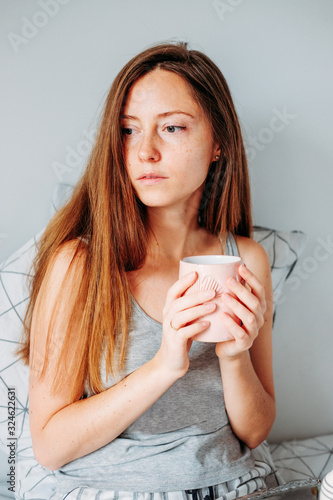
176	329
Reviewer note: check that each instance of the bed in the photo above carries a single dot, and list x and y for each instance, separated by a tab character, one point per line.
298	465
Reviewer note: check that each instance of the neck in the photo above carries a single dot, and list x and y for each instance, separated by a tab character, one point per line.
174	235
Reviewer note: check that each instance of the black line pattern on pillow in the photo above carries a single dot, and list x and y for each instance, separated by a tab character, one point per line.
33	480
283	250
309	458
5	272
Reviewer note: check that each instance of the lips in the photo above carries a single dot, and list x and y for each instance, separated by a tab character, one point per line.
150	179
151	176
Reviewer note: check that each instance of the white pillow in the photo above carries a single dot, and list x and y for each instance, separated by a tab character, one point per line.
304	459
283	249
34	481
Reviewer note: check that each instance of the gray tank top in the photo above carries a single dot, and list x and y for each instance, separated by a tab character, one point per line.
184	441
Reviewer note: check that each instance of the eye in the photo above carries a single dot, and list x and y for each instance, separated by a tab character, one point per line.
126	131
174	128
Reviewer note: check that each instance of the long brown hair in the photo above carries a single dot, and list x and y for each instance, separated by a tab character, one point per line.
105	217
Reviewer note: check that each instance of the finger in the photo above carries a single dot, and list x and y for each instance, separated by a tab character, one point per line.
193	329
257	288
251	301
243	339
173	306
251	321
193	299
187	316
180	286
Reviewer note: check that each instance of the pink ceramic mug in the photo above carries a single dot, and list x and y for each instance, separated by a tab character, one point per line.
213	272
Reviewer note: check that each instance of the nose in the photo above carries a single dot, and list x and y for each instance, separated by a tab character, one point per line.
149	150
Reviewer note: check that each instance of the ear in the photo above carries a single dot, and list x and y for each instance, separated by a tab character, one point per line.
217	154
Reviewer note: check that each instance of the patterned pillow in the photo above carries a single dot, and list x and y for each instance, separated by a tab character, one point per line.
34	481
283	249
304	459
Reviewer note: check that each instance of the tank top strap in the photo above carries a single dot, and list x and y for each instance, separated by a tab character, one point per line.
231	245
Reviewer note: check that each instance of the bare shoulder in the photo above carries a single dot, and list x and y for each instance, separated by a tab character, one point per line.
61	281
67	261
71	252
254	256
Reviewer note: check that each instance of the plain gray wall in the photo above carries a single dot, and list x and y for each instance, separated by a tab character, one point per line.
58	59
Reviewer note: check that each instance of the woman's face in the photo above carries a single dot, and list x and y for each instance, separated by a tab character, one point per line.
168	142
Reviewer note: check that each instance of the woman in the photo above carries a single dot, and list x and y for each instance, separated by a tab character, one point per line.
121	398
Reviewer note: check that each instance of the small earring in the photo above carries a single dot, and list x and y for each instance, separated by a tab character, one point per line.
217	157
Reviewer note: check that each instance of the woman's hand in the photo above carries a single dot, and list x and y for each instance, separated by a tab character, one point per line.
179	323
249	307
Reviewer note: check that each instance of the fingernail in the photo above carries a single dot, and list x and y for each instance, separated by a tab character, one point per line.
226	297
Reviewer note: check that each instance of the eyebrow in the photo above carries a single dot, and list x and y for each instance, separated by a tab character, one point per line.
160	115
